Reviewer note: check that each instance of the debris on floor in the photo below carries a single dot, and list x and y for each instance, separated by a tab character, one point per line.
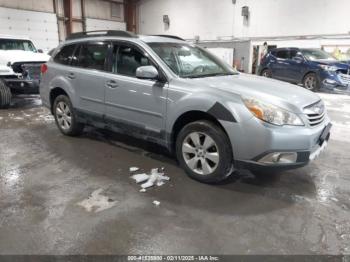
97	202
155	202
134	169
156	177
139	178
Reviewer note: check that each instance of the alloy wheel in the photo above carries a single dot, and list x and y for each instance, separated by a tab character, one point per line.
63	115
201	153
310	82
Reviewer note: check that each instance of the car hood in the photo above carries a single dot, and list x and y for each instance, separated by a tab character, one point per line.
290	97
338	64
13	56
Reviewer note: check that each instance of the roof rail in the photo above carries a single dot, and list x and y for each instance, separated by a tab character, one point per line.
119	33
171	36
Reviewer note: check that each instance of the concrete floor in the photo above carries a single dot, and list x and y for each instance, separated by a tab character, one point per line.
44	175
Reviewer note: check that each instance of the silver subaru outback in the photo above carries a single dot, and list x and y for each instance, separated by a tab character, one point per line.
178	95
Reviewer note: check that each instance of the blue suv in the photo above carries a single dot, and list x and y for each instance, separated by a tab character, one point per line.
313	68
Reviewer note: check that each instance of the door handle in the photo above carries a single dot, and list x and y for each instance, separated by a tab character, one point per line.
111	84
71	75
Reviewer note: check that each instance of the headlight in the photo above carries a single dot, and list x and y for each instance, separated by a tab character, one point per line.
329	68
271	114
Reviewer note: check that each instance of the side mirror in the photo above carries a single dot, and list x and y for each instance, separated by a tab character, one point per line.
147	72
40	51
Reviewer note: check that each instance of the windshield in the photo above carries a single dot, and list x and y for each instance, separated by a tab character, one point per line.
16	44
189	61
316	54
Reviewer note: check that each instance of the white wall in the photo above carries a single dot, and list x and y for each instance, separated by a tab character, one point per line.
207	18
99	24
293	18
41	27
213	19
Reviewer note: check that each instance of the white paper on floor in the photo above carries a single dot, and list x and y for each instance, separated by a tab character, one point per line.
97	202
156	177
134	169
157	203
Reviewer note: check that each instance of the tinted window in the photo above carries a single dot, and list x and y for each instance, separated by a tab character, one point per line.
293	53
92	55
65	55
16	44
282	54
127	59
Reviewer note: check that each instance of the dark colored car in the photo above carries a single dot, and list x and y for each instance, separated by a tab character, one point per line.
313	68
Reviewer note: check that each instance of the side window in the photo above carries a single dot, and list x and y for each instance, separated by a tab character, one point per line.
293	53
283	54
64	56
92	55
127	59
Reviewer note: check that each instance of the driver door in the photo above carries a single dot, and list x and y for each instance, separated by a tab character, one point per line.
139	105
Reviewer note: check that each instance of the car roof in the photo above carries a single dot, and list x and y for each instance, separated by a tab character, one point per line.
285	48
14	37
121	35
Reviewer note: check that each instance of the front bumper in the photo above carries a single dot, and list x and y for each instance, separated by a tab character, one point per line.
334	81
22	86
253	142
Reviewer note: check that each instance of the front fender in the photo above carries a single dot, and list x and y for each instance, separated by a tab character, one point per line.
222	109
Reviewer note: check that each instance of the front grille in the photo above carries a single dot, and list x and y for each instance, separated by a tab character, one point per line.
32	71
29	71
315	113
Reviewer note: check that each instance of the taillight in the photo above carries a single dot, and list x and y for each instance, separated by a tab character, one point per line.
43	68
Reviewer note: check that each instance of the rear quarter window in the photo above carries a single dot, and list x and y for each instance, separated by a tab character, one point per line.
64	56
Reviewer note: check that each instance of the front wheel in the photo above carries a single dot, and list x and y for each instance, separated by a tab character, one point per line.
204	152
65	118
310	82
5	95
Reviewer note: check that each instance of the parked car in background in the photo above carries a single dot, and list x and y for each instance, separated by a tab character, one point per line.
178	95
20	63
313	68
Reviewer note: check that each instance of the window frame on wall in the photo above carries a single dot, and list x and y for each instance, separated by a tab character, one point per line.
117	6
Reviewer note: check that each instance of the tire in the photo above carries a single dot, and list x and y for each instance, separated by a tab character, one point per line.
310	82
266	73
210	164
5	95
65	117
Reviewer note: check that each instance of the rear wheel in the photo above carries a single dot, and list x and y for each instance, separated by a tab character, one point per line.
266	73
310	82
65	117
204	152
5	95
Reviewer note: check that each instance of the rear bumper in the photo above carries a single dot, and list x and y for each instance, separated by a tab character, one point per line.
22	86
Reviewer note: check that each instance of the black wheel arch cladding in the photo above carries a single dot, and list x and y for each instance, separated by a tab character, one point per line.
221	113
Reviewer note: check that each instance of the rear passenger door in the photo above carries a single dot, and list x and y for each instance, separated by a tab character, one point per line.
280	67
137	105
88	72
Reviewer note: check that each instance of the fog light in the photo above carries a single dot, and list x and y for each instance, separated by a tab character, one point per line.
280	158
